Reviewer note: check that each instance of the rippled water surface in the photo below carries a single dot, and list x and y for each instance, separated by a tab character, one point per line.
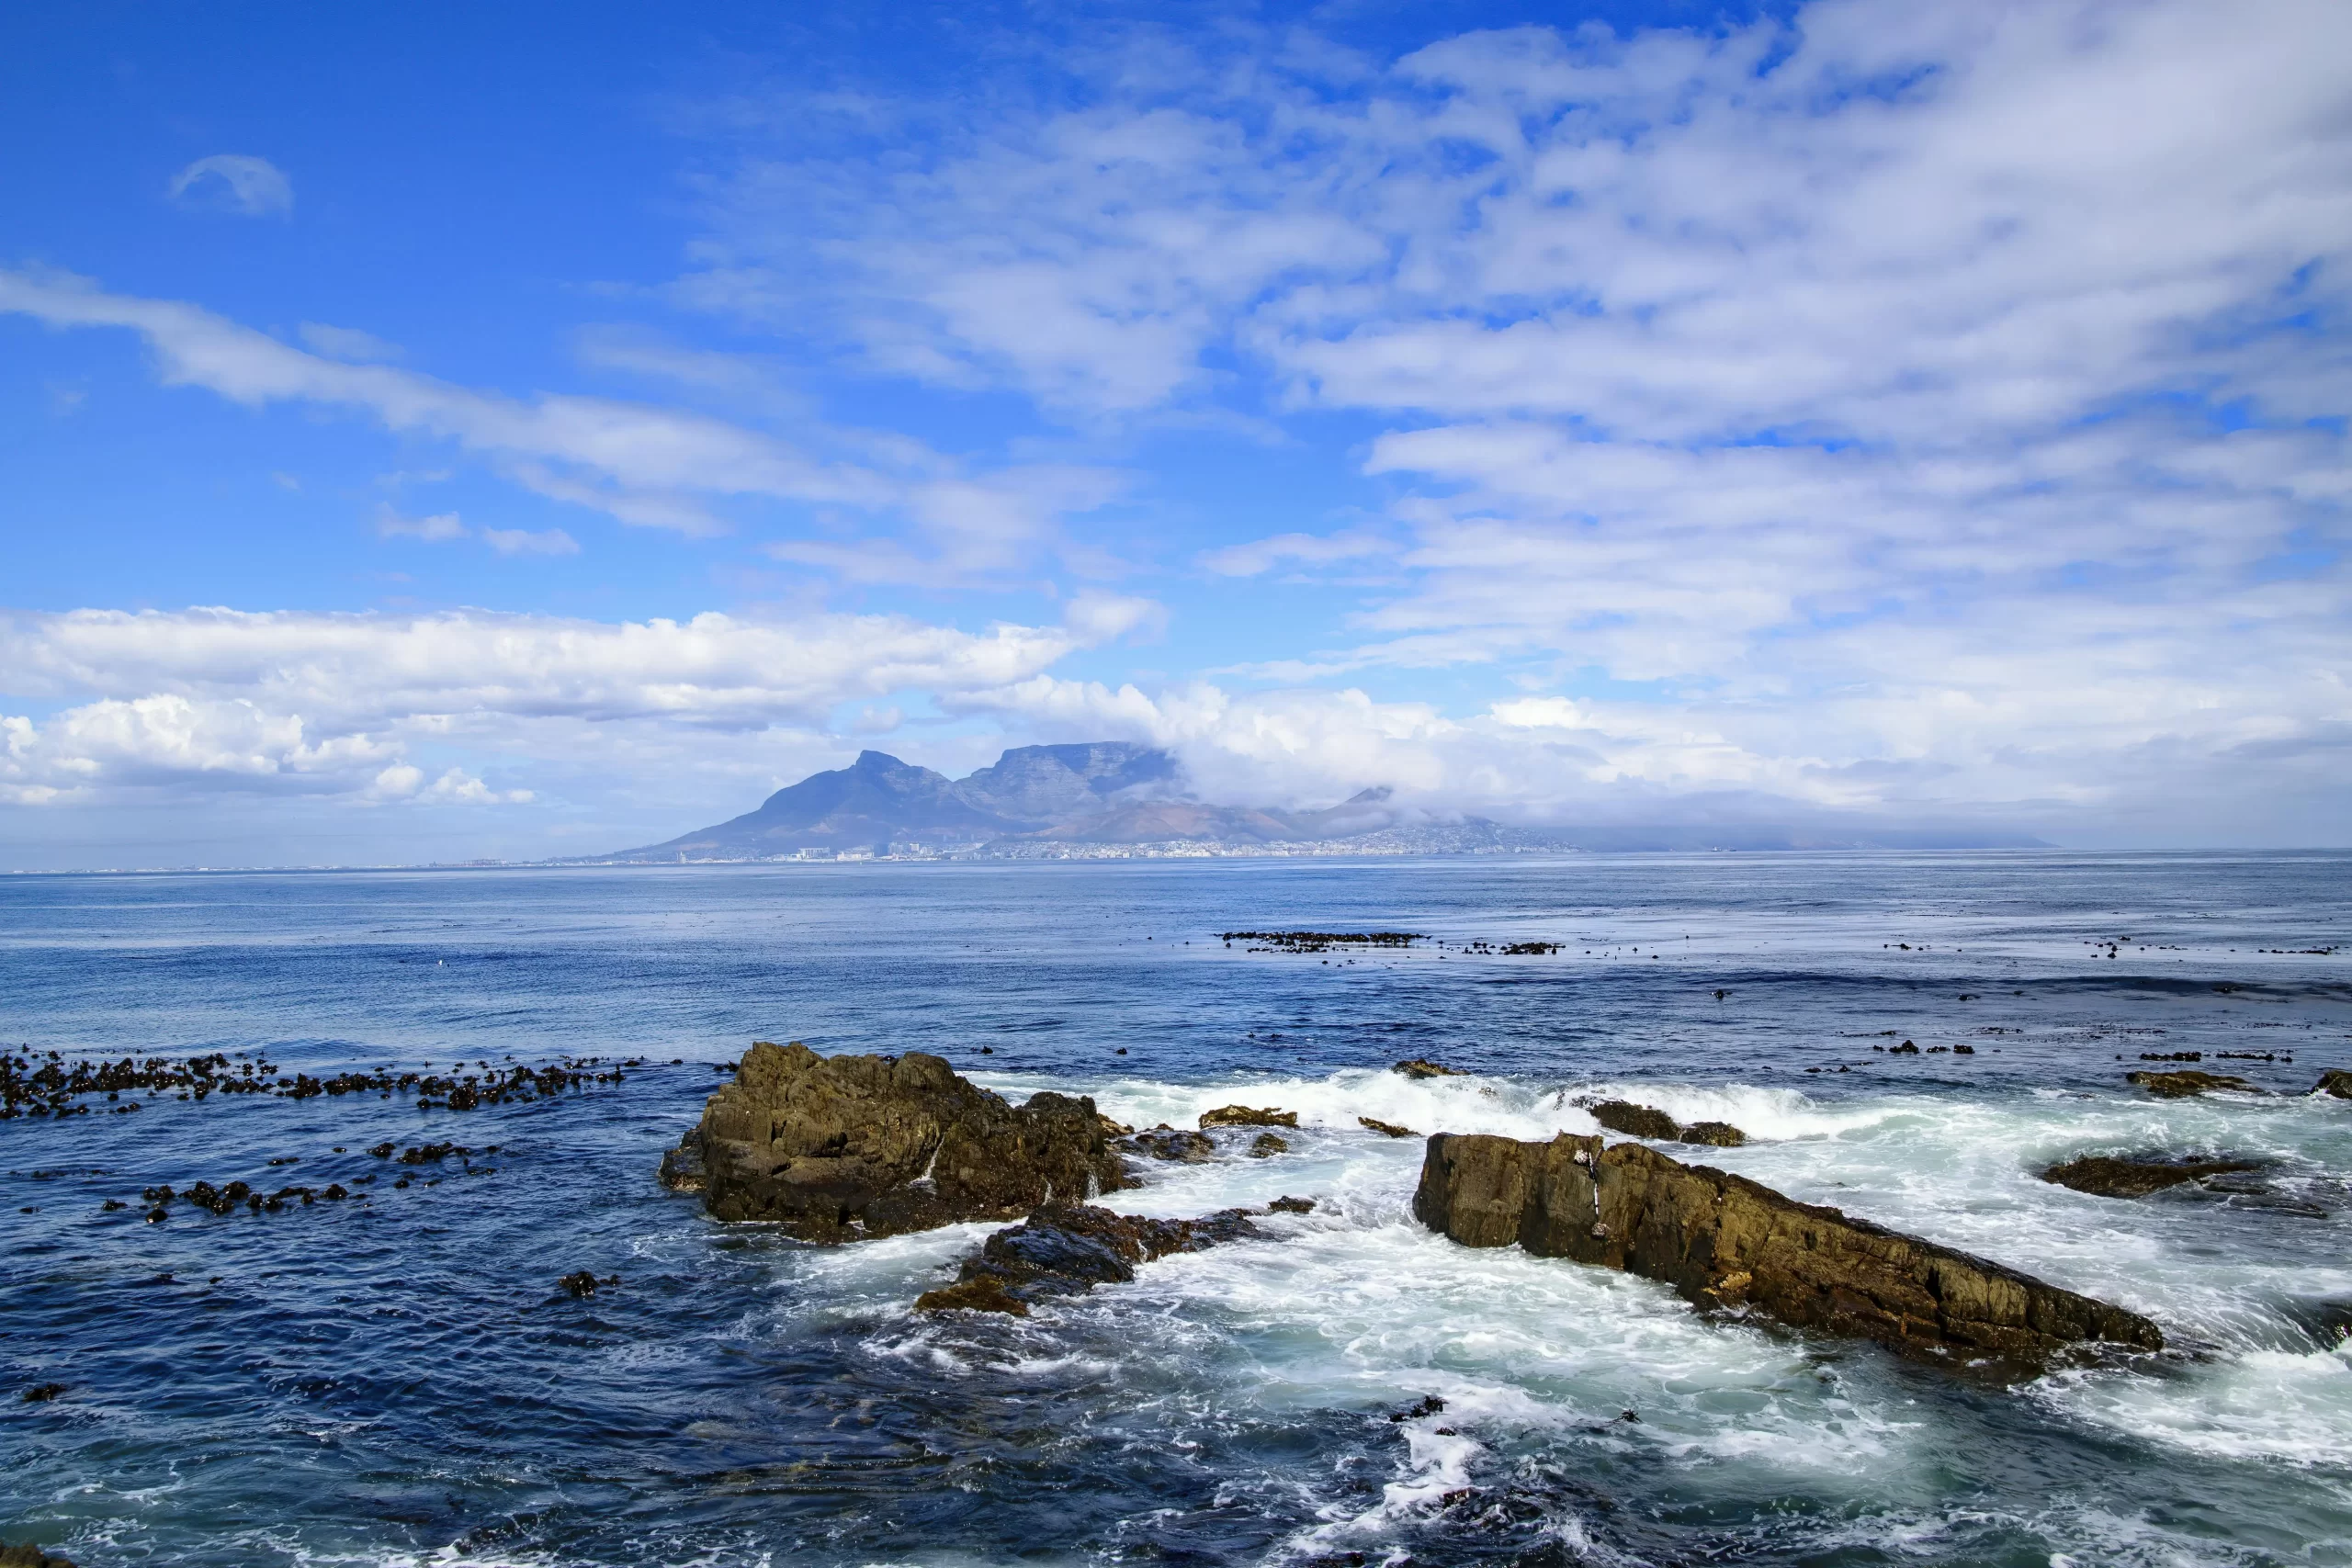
396	1379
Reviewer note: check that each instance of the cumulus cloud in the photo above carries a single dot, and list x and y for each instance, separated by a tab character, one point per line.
210	699
234	182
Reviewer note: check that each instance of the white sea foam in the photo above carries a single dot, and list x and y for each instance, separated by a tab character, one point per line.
1358	1301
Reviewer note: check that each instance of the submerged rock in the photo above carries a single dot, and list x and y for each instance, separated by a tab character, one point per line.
30	1556
1386	1129
1247	1116
2108	1178
1723	1240
1179	1144
2180	1084
1647	1122
848	1148
1420	1067
1265	1146
1066	1249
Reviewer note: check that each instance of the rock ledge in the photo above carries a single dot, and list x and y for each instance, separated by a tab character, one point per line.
848	1148
1723	1240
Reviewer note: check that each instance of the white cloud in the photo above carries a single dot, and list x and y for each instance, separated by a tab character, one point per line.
440	527
521	542
205	700
348	343
234	182
645	465
1907	402
1261	556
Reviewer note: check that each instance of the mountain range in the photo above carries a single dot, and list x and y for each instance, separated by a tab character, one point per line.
1111	797
1102	792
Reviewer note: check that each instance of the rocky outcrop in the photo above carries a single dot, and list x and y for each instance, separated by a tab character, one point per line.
30	1556
1065	1249
2335	1081
2182	1084
1247	1116
1266	1146
2104	1176
1386	1129
1178	1144
848	1148
1421	1067
1723	1240
1648	1121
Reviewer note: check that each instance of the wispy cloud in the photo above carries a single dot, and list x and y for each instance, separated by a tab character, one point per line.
525	542
348	343
440	527
1920	400
234	182
648	465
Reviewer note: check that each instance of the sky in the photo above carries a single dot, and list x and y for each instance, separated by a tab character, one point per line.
446	431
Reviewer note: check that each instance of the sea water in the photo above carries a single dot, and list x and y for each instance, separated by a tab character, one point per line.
398	1380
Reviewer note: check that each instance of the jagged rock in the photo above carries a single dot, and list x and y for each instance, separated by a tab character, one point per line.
1723	1240
2182	1084
682	1170
1268	1145
2105	1178
1634	1121
849	1148
1178	1144
1386	1129
30	1556
1648	1121
1420	1067
2335	1081
1291	1206
1066	1249
1245	1116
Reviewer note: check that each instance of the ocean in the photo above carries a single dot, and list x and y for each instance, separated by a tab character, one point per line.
397	1378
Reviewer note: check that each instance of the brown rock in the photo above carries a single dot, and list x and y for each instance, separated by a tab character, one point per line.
848	1148
2335	1081
1723	1240
2105	1178
1647	1122
1386	1129
1268	1145
1067	1249
1178	1144
1245	1116
30	1556
1420	1067
1634	1121
2182	1084
983	1292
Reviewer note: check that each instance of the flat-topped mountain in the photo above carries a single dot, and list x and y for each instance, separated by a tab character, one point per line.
1112	796
879	800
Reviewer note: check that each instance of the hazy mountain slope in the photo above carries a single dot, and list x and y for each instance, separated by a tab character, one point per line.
1041	785
872	801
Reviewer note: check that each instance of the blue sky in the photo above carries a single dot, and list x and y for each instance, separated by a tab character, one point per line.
525	431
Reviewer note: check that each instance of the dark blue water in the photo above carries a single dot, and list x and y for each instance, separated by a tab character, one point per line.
396	1378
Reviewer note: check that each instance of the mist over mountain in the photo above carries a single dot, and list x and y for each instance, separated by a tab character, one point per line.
1112	797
